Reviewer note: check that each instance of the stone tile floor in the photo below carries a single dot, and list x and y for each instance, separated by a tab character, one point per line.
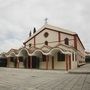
85	69
26	79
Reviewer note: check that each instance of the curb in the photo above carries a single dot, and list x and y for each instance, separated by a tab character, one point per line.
79	72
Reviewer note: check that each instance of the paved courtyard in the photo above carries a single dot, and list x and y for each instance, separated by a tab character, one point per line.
26	79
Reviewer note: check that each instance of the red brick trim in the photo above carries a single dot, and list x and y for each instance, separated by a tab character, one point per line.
66	60
75	41
59	37
34	41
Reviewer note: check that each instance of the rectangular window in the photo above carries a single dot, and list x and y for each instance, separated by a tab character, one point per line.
60	57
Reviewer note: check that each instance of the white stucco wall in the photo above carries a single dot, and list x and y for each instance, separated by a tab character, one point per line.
59	64
53	39
53	36
73	61
74	64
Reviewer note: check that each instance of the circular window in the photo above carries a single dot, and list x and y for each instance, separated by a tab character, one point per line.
46	34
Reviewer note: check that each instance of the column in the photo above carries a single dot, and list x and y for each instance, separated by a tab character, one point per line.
47	59
27	62
53	62
66	60
30	62
69	61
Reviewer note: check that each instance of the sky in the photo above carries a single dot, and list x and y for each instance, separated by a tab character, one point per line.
18	17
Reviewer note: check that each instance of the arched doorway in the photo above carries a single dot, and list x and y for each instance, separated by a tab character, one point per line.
37	59
12	60
23	57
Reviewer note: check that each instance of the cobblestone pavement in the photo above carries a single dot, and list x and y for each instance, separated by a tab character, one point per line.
26	79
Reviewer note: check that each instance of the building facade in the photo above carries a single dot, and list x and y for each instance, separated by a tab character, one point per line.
50	48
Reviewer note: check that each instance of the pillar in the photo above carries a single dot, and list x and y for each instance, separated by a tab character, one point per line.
30	62
69	61
53	62
66	60
27	62
47	59
17	66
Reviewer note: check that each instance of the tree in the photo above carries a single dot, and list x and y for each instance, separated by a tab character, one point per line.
30	34
34	30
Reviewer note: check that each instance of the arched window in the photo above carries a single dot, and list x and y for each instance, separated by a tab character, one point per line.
46	42
66	41
30	45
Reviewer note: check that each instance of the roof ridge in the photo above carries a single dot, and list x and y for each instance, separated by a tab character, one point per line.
59	28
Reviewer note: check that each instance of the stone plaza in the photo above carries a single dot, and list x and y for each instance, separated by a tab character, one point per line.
31	79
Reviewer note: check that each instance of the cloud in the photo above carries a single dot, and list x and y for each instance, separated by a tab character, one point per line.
18	17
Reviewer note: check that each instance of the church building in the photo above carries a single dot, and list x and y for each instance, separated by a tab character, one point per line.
49	48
